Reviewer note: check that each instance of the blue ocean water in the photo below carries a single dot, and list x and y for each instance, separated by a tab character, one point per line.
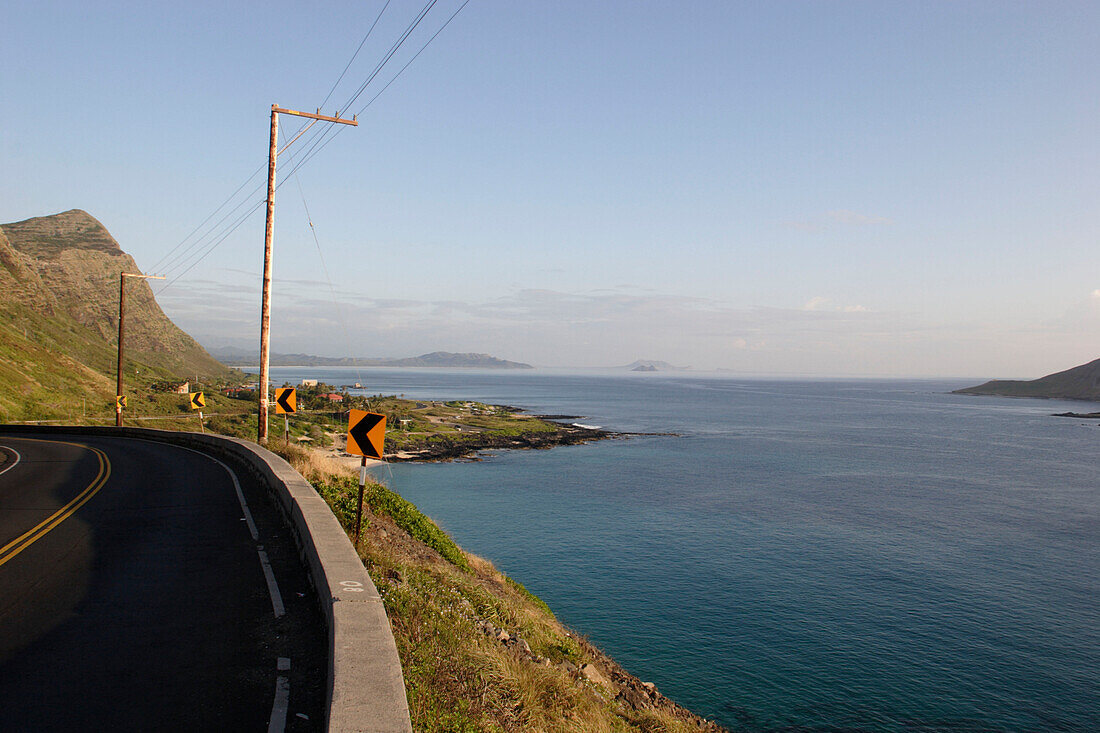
840	555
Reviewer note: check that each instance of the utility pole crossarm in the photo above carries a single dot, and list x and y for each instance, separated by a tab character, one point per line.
317	116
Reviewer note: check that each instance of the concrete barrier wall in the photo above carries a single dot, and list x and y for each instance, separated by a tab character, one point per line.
366	688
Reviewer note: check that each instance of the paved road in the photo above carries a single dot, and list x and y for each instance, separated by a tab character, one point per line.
134	595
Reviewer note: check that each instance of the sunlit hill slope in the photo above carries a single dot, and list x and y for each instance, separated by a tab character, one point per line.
59	279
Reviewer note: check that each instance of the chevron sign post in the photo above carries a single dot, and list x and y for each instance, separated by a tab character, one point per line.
286	402
198	401
366	434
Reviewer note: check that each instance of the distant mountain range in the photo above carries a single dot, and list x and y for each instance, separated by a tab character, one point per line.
1078	383
444	359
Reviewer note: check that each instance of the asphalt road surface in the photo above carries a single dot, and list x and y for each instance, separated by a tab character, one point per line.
136	594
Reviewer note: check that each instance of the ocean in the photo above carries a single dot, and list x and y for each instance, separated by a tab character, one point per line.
820	556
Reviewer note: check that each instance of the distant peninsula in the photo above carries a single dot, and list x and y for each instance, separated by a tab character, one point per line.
443	359
1078	383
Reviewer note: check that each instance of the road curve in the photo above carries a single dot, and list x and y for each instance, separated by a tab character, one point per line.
146	586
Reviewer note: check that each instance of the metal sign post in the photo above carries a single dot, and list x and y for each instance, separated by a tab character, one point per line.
198	401
359	504
286	402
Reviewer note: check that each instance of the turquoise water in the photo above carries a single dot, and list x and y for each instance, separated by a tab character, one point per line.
847	555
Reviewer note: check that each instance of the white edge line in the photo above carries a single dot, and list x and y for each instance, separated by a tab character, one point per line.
277	606
272	586
277	722
17	458
240	495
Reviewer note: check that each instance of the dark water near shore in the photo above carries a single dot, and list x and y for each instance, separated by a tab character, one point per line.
867	555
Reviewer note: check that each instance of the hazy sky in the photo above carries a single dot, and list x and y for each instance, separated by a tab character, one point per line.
820	188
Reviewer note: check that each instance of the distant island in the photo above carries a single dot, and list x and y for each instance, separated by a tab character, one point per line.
443	359
649	365
1078	383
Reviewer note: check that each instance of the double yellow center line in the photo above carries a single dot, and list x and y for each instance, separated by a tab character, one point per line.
28	538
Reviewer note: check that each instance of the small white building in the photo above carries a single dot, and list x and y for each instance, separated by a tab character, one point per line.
309	383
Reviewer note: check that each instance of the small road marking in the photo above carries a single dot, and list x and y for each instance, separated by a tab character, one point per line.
272	586
277	722
28	538
13	463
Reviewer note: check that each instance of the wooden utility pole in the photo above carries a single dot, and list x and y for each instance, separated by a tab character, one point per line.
269	232
121	317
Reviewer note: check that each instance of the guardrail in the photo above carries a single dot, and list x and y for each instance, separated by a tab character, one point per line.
366	691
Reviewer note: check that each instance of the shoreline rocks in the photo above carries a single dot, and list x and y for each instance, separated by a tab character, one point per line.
454	448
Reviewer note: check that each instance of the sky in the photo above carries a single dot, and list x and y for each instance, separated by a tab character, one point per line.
772	188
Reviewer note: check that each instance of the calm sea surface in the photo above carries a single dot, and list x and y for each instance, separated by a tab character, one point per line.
841	555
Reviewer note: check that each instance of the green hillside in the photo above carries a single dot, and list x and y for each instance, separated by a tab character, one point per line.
1078	383
59	280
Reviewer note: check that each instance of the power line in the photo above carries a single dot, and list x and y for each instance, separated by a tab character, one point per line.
208	218
314	144
181	258
328	278
317	148
357	50
322	140
168	258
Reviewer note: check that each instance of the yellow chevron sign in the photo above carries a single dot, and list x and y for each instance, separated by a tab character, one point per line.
366	433
286	400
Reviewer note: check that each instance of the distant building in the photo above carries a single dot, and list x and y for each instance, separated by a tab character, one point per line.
184	388
309	383
333	397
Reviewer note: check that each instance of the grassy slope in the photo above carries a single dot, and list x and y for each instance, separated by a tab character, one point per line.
443	603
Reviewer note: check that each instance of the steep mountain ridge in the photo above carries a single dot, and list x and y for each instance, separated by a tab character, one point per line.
59	319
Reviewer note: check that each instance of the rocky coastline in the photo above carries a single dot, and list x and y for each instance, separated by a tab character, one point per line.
469	446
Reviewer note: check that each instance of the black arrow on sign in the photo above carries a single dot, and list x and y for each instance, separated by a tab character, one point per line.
359	430
281	399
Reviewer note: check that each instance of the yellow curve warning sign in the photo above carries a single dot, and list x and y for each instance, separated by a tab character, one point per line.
286	400
366	433
198	401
